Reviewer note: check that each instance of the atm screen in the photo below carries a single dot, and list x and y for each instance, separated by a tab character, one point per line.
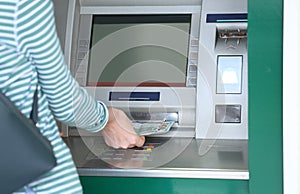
139	50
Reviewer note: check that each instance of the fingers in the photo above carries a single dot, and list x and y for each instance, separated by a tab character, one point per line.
118	137
131	141
124	144
138	142
118	132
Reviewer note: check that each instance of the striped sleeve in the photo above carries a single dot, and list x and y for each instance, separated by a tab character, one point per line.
37	39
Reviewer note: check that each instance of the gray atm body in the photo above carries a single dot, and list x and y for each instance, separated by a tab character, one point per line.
213	100
209	107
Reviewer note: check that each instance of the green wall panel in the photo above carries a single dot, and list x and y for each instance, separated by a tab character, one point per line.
265	96
117	185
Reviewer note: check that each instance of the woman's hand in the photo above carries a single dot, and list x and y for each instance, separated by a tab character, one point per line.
119	133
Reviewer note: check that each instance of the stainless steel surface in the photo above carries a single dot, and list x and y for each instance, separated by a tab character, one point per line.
162	157
170	173
94	3
211	90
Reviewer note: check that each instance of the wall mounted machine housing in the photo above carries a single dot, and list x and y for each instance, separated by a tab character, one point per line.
162	60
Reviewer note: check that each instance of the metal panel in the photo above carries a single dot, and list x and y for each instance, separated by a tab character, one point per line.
138	3
163	157
214	42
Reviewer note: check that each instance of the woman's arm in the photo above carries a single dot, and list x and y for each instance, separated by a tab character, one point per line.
38	40
69	103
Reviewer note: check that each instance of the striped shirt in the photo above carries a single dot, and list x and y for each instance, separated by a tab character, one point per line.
30	58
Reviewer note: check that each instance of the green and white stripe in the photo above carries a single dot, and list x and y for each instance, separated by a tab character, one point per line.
30	56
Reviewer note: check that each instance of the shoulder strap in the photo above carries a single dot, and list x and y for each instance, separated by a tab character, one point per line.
34	111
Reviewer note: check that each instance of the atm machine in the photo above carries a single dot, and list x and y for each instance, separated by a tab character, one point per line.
162	61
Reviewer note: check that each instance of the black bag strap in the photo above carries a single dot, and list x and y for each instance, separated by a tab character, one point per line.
34	111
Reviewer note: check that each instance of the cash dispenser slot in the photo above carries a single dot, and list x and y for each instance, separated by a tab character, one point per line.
224	33
153	123
231	36
153	116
